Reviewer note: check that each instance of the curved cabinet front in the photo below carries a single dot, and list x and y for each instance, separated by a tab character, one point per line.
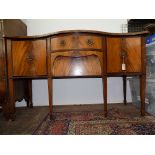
124	55
71	42
77	63
29	58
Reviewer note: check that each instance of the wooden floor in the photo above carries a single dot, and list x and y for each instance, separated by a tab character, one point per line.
28	119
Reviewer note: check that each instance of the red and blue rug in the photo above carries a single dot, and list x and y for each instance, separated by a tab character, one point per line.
94	123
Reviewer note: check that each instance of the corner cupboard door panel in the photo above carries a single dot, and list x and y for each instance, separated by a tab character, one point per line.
29	58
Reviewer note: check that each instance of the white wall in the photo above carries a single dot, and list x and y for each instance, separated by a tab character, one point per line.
76	91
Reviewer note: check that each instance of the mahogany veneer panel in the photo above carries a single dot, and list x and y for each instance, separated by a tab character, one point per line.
76	66
75	42
29	58
63	42
132	47
113	55
89	41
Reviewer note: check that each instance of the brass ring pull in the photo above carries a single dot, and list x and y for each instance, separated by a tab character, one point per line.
90	42
62	43
30	56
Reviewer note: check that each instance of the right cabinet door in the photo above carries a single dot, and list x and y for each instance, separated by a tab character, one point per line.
124	51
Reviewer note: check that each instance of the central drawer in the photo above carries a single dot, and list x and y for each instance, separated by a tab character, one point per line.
71	42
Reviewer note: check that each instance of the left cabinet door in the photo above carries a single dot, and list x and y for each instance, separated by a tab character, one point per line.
29	58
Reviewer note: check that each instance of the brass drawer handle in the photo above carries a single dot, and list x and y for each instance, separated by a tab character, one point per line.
90	42
29	59
62	43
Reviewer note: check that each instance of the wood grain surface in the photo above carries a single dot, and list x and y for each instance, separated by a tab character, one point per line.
29	58
132	48
81	63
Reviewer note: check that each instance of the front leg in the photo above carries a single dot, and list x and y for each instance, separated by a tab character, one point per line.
50	93
28	94
142	93
104	82
124	89
9	108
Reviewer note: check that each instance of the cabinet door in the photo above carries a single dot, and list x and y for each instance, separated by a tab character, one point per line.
133	60
29	58
73	63
113	55
132	48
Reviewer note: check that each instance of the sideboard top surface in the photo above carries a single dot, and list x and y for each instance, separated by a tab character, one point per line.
79	32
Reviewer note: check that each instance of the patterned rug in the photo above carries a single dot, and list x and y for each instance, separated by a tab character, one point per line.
94	123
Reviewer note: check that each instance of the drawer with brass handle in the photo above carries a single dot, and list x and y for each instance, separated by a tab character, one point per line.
63	42
94	42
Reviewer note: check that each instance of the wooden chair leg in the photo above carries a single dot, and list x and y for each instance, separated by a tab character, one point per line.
50	92
124	89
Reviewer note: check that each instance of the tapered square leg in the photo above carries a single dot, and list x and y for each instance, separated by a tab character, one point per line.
142	93
104	80
50	92
11	102
124	89
29	94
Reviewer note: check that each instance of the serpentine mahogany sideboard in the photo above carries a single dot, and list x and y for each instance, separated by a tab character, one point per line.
74	54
